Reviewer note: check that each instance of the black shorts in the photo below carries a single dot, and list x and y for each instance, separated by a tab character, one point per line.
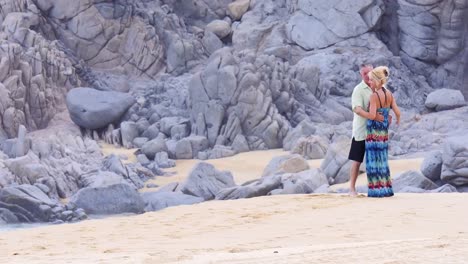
357	150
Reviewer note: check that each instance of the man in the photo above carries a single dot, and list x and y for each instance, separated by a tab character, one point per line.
360	103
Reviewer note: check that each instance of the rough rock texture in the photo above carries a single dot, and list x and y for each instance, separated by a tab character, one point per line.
93	109
455	161
112	199
27	203
432	165
430	37
155	201
34	73
260	187
336	164
285	164
445	99
311	147
412	179
306	181
205	181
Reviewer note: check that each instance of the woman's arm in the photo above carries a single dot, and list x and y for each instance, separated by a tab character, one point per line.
372	114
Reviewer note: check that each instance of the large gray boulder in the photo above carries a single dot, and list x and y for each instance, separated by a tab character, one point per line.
154	146
445	99
285	164
412	179
303	129
204	181
113	199
94	109
238	8
312	147
219	27
432	165
129	131
28	203
455	161
217	152
189	147
303	182
7	217
336	164
260	187
155	201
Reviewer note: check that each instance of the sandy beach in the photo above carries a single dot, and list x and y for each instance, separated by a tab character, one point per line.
329	228
408	228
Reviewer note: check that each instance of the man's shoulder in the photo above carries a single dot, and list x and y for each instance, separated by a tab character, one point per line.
359	86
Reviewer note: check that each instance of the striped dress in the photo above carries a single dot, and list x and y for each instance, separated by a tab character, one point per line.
378	172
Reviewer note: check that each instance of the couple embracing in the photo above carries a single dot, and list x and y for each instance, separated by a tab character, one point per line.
371	103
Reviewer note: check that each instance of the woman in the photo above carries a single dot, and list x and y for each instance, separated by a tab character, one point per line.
382	100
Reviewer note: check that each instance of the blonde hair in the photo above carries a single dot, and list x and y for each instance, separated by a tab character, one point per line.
380	74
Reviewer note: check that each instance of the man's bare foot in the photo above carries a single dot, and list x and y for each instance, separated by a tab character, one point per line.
353	193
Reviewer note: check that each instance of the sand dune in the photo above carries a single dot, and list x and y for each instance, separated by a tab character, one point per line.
408	228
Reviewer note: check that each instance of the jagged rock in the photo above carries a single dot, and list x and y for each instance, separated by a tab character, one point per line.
234	106
285	164
336	164
96	179
28	203
428	36
93	109
320	17
167	123
112	199
302	182
211	42
28	168
138	142
303	129
445	99
154	146
455	161
240	144
432	165
155	201
219	27
179	131
142	159
238	8
151	132
129	131
7	217
183	149
163	161
205	181
217	152
259	187
412	179
311	147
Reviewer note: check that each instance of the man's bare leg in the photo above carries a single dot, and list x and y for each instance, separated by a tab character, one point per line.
353	174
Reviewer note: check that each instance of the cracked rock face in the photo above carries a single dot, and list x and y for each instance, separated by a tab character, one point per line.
431	38
34	74
235	96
